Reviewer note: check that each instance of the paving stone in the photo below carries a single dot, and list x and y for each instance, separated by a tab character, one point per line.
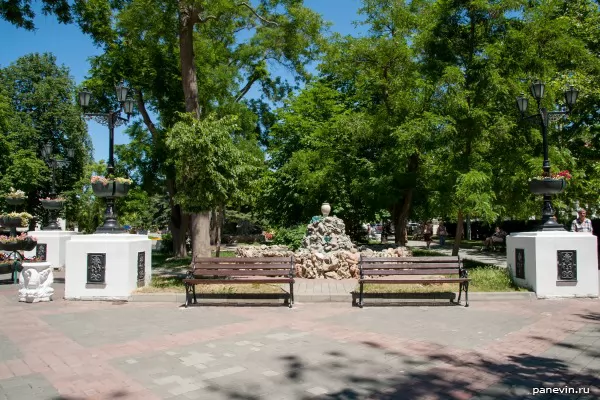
8	349
32	387
124	323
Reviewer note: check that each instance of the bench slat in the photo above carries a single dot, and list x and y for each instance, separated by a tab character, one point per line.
242	266
410	266
221	272
415	281
241	280
234	260
454	271
444	259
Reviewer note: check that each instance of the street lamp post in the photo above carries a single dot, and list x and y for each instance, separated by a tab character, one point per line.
112	118
544	117
54	163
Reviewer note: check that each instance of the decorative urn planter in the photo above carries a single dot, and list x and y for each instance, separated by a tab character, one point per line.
121	189
547	186
15	201
12	222
52	204
7	267
325	209
111	189
26	244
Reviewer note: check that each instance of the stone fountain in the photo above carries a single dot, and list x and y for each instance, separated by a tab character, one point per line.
326	251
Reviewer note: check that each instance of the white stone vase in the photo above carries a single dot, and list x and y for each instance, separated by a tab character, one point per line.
36	280
325	209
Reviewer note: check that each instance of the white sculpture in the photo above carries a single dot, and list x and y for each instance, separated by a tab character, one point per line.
36	279
325	209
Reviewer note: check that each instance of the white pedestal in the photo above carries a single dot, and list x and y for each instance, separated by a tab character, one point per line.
36	280
55	245
105	266
554	264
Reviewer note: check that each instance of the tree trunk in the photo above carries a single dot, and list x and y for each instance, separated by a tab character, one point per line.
219	224
188	17
179	222
214	226
200	224
459	233
179	227
400	217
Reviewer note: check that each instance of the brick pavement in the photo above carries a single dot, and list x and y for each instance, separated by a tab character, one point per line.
102	350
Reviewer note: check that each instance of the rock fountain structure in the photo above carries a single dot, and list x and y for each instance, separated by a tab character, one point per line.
326	252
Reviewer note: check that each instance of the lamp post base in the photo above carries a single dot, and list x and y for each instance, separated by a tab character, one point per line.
111	225
52	226
550	225
111	229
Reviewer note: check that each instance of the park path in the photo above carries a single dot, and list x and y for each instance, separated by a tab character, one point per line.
487	257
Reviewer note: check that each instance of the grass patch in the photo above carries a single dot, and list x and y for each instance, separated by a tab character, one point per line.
483	279
418	252
168	262
174	284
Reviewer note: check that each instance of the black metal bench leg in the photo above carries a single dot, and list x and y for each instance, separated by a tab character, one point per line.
291	301
360	297
187	295
460	289
194	291
466	294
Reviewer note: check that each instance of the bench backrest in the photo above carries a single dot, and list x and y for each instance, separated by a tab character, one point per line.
243	266
446	265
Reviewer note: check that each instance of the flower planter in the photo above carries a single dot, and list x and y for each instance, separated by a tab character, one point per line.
52	204
7	267
15	201
112	189
547	186
121	189
12	222
27	245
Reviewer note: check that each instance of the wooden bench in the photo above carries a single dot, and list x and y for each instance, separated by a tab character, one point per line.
391	269
235	270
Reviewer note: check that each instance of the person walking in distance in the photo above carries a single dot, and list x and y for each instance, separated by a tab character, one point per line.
428	233
442	233
581	223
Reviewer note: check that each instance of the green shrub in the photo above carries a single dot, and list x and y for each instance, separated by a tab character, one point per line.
291	237
166	243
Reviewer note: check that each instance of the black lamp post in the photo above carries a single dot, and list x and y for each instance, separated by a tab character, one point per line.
112	119
54	206
55	163
544	117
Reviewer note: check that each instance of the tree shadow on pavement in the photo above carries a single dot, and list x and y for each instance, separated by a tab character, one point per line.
382	374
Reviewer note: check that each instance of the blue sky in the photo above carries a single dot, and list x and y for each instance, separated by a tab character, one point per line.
72	49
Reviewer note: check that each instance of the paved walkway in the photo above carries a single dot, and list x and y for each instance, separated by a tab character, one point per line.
487	257
102	350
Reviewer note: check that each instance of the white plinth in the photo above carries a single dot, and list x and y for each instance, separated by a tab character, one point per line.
105	266
556	264
56	245
36	280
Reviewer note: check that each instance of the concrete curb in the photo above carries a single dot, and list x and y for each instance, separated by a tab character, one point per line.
332	298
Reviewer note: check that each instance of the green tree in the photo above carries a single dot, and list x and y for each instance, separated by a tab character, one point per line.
192	56
36	107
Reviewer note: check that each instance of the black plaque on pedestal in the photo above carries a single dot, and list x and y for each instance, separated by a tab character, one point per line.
567	265
96	268
520	263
